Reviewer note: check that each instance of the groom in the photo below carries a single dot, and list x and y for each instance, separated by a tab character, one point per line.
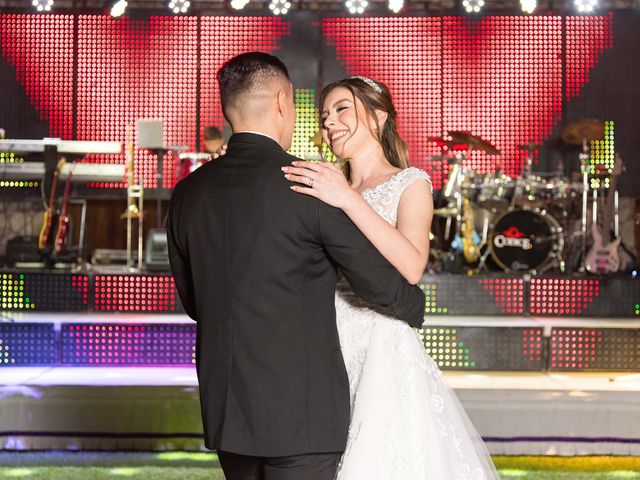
255	266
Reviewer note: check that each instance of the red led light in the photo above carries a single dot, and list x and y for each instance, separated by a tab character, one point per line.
508	293
44	68
532	344
160	296
499	77
586	38
573	348
562	296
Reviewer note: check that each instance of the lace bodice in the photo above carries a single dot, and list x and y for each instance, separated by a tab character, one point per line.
385	198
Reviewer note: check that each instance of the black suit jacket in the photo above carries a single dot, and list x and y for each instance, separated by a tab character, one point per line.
255	266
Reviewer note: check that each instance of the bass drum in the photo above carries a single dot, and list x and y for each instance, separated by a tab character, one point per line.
526	241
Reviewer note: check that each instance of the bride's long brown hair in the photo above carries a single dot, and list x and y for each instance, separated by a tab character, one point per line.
394	148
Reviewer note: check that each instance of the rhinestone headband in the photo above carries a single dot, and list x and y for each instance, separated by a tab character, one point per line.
369	82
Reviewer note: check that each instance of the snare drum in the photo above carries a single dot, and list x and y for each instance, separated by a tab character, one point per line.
525	241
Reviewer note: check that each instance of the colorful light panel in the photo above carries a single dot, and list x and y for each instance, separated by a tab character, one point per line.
12	293
123	344
19	184
602	157
483	295
559	296
306	127
221	38
616	349
40	47
44	292
27	344
10	157
444	348
499	77
431	305
485	348
135	293
508	293
532	346
574	348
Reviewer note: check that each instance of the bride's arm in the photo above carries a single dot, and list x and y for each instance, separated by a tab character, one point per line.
407	247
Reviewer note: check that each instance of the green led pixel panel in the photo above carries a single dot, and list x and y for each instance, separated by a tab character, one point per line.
443	345
306	133
12	292
431	303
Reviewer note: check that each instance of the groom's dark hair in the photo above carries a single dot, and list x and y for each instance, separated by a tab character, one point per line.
245	73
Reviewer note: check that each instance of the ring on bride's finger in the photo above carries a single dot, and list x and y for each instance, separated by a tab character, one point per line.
311	183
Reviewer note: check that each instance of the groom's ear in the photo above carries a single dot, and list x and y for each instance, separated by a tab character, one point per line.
281	102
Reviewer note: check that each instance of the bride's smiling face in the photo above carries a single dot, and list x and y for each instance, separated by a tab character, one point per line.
346	126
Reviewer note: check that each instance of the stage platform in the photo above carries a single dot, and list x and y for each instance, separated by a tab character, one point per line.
107	408
533	383
490	342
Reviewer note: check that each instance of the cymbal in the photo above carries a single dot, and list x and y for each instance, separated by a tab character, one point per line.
531	147
447	212
474	142
448	144
588	129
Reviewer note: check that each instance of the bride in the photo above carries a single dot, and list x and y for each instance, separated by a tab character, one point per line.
406	424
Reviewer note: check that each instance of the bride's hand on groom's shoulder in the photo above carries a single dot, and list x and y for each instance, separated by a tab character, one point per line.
220	152
321	180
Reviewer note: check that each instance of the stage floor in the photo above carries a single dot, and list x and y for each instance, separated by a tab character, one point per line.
95	408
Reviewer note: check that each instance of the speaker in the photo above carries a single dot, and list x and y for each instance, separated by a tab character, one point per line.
150	134
157	251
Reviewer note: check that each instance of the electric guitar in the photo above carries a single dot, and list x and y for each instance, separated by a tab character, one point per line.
45	232
64	220
603	257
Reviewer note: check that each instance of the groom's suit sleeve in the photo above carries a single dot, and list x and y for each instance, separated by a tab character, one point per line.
370	275
178	254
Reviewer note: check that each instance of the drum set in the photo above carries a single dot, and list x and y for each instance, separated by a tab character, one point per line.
527	224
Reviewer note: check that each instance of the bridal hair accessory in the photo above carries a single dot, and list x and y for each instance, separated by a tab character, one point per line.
369	82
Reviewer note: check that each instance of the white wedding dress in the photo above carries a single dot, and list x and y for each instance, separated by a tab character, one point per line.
406	424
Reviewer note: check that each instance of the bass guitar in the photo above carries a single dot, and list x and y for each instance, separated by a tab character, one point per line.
603	257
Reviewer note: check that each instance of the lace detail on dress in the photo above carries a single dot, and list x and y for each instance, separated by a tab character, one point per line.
384	198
